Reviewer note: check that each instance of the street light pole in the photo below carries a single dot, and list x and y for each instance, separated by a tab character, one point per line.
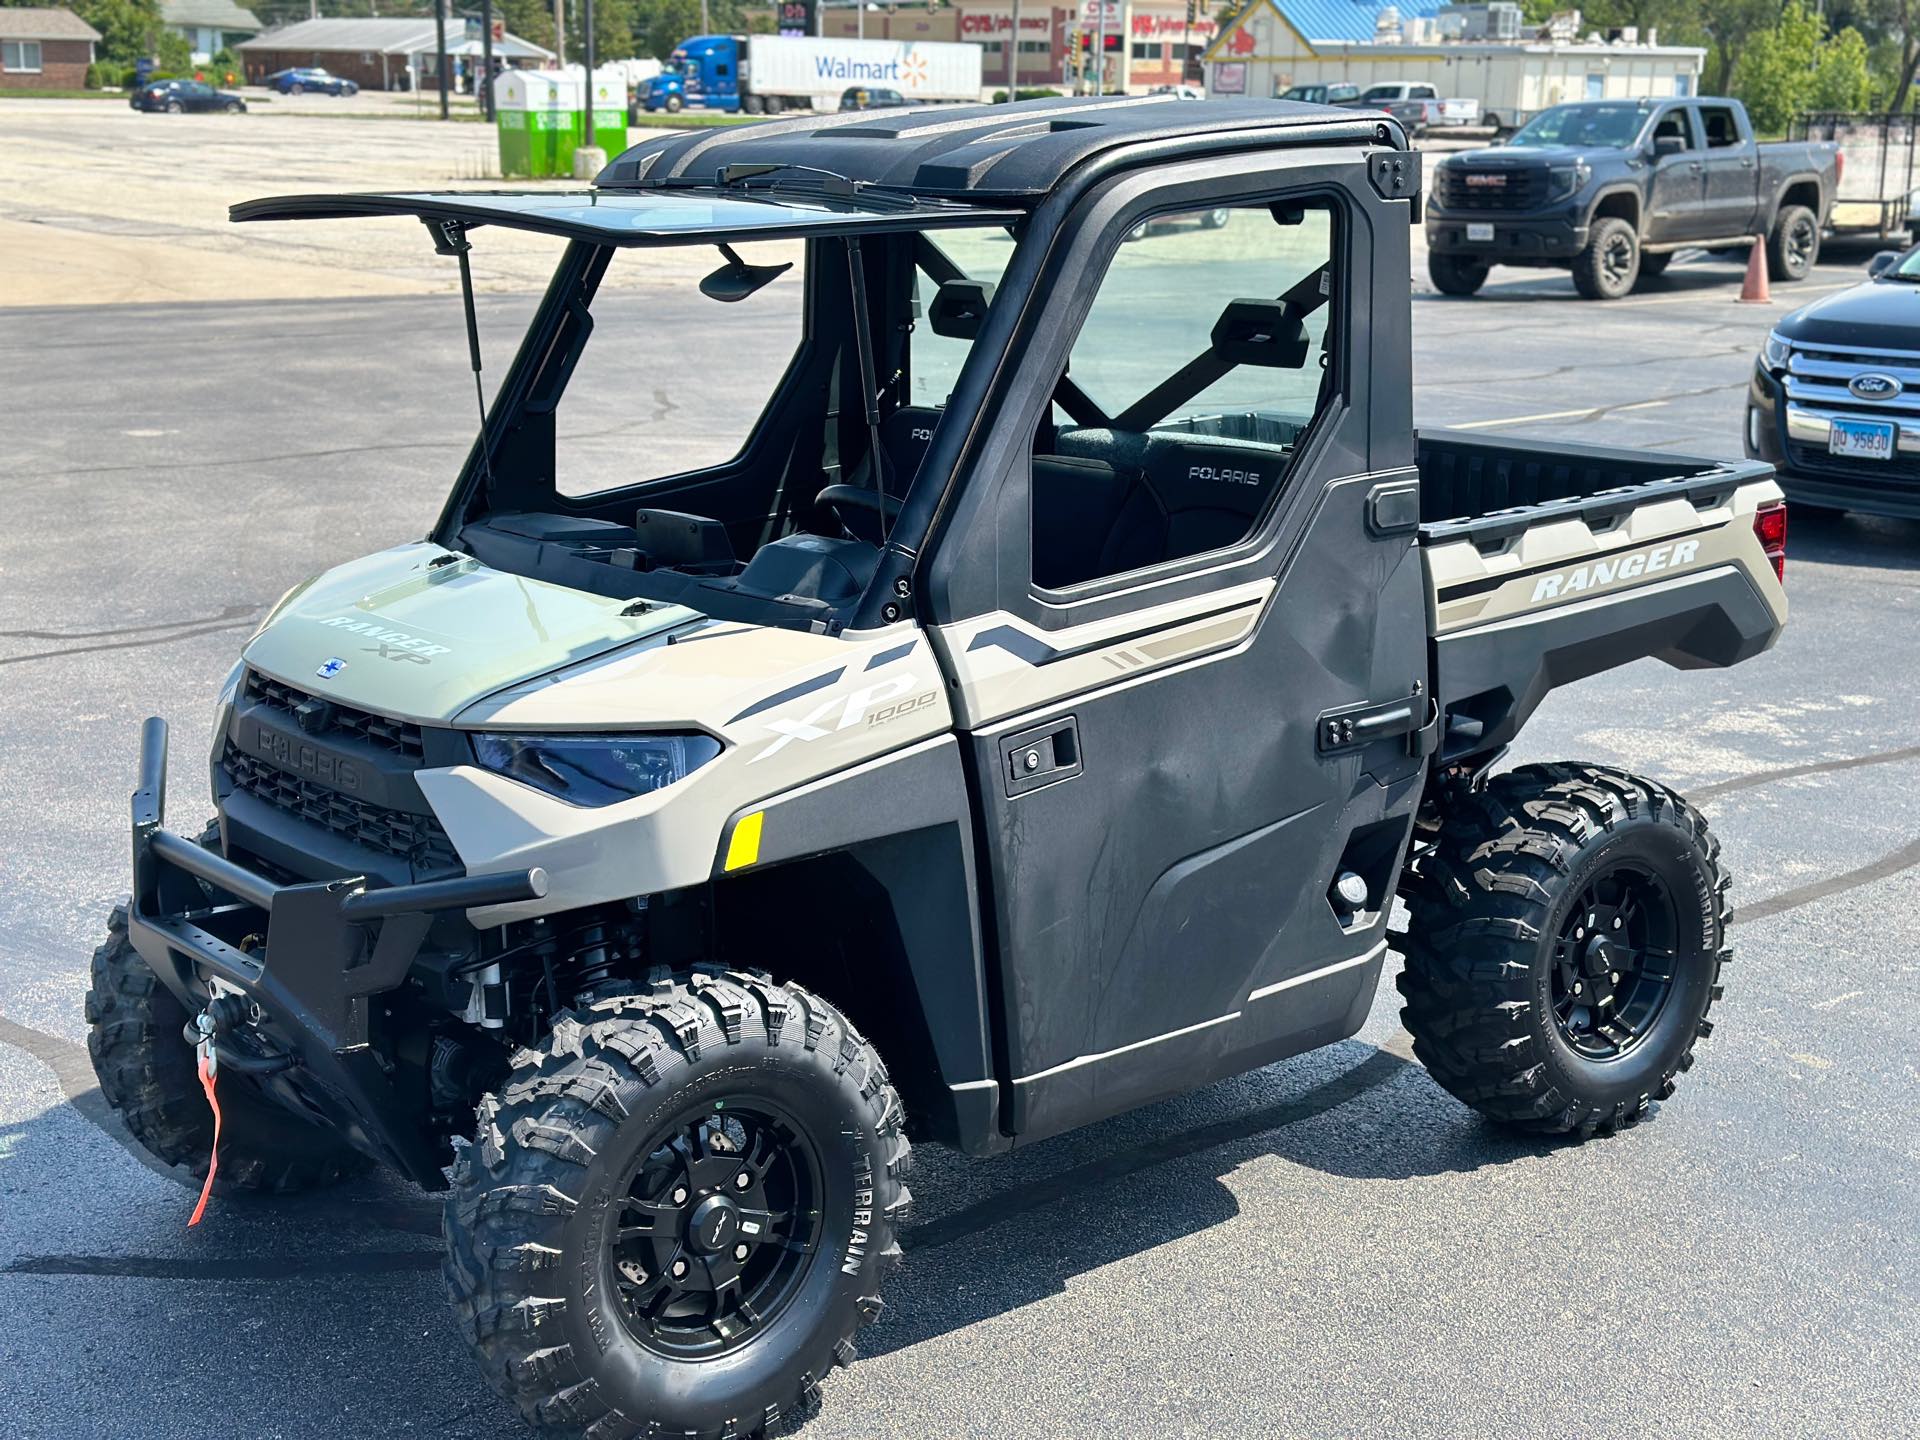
486	58
1013	65
440	48
586	33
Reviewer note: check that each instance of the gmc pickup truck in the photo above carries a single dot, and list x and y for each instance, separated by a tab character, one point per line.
1053	694
1611	189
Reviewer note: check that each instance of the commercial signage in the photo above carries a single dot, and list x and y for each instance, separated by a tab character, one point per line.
1229	79
974	23
796	17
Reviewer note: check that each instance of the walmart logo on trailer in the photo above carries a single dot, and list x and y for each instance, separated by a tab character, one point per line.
909	70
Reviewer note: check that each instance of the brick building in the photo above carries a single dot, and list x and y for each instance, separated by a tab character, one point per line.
383	54
44	50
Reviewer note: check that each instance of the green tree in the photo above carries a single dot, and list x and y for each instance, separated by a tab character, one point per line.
1772	77
1725	26
1842	79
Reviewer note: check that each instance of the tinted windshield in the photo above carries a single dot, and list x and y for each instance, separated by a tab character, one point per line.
1599	126
1909	266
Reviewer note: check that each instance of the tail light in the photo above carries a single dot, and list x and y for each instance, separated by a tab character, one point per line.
1839	168
1770	524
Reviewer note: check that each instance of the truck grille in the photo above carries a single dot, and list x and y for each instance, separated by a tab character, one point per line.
417	838
1820	375
336	720
1506	188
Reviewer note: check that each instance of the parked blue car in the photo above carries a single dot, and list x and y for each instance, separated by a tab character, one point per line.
304	78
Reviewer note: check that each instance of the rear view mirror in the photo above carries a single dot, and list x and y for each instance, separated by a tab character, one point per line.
1882	263
1269	333
1665	145
736	279
960	308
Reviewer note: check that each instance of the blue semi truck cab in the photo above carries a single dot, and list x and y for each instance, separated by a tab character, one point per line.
702	72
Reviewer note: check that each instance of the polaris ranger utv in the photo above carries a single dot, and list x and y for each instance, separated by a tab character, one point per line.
1050	693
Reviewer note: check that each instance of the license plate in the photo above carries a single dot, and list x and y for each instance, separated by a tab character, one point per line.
1862	439
1479	232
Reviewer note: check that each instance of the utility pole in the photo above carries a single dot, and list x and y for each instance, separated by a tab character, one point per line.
1100	51
486	56
1013	65
560	32
586	35
440	46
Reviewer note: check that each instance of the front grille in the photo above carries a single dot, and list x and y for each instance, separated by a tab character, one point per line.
335	719
1818	375
416	838
1516	188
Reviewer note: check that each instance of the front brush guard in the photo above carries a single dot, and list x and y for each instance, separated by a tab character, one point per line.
303	961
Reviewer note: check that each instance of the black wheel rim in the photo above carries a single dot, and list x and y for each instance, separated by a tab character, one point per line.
1616	260
1800	240
1613	963
718	1228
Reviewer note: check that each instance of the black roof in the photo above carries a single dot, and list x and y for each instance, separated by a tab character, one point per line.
983	152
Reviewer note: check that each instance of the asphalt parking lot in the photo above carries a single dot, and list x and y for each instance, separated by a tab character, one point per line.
1328	1247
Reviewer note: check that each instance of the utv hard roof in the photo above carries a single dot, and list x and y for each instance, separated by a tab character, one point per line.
1016	153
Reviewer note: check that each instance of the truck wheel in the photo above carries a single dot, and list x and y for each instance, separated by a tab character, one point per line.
753	105
1214	219
674	103
1456	274
147	1073
773	104
1607	268
1566	935
1794	245
677	1213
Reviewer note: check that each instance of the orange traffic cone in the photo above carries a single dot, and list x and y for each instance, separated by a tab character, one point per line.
1754	290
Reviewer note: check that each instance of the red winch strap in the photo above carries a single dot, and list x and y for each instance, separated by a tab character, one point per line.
213	1160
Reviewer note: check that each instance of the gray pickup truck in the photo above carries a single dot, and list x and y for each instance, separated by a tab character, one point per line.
1611	189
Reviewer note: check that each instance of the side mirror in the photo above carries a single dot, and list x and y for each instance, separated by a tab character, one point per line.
736	280
1882	263
1268	333
1665	145
960	308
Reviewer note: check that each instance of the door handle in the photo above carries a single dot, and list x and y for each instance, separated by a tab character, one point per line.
1041	756
1353	727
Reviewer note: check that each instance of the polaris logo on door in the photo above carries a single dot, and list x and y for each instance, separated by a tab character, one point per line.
1615	568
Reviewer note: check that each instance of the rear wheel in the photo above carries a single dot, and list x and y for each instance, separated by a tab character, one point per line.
1566	933
1794	245
1654	266
1213	219
677	1214
1456	274
232	107
753	105
174	107
147	1073
1610	264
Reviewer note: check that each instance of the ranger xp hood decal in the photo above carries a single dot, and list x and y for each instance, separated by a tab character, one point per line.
390	644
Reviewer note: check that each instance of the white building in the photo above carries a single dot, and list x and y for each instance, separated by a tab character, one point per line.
1274	44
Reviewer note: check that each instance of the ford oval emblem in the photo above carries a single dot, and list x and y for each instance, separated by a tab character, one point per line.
1874	386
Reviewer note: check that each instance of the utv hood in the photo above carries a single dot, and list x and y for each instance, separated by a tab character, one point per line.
402	635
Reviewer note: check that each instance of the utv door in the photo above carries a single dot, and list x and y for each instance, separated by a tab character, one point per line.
1181	609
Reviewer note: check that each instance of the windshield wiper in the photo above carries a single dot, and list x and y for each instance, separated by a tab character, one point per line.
808	180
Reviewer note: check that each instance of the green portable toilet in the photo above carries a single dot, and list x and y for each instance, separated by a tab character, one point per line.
608	129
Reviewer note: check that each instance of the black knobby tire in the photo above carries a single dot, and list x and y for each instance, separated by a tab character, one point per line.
147	1073
542	1204
1492	904
1609	266
1794	245
1456	274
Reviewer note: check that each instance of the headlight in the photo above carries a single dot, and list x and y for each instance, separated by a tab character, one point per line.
1777	351
1565	180
595	769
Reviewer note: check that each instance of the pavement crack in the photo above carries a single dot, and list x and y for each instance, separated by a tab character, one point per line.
1793	772
227	612
66	651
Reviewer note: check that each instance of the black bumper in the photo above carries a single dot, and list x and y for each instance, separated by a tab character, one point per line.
298	965
1516	239
1811	476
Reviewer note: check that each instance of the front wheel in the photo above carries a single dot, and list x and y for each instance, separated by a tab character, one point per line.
1214	219
674	104
1654	266
677	1213
233	107
1566	933
1609	266
1794	245
296	89
147	1073
1456	274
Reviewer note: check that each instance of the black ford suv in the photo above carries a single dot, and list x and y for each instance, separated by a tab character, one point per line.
1611	189
1834	402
